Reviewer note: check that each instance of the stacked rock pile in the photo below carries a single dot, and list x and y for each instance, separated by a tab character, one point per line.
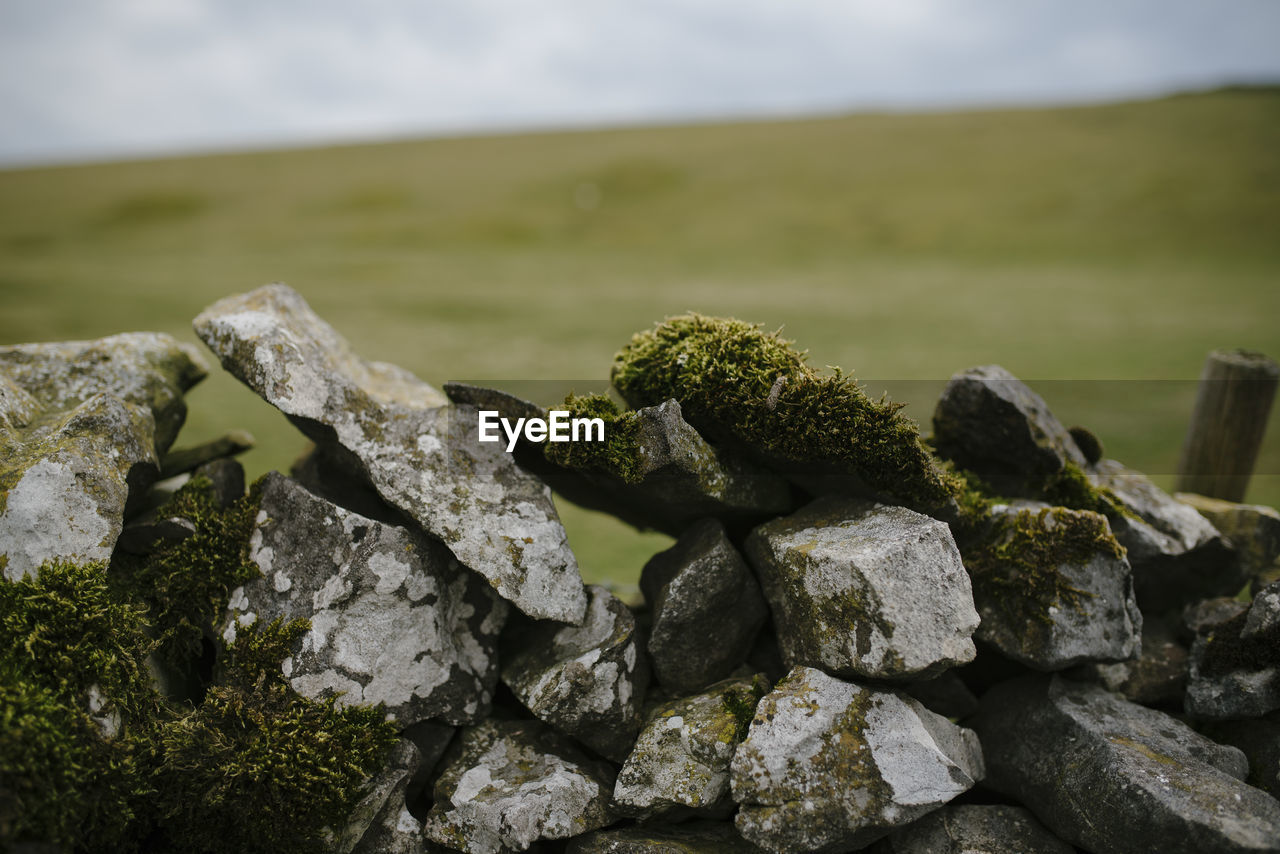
996	640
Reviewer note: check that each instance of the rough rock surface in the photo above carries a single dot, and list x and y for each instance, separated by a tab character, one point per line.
394	617
400	434
945	694
381	823
587	681
864	589
974	829
1112	776
707	609
1259	740
81	424
694	837
1176	554
1158	675
1050	608
507	784
990	422
681	759
1253	530
831	766
1235	663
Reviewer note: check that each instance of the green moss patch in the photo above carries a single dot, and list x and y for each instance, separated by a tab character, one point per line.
618	455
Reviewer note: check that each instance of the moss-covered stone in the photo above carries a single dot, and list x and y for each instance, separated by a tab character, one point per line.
618	455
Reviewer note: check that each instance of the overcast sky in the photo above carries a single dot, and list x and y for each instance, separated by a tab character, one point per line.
84	79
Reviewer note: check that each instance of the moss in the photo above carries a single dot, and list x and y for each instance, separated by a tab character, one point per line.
1072	488
1226	651
740	385
740	702
187	584
259	768
618	455
1089	444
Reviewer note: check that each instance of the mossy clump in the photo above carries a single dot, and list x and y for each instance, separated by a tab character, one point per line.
77	711
741	385
740	702
618	455
1018	562
1227	650
186	585
1071	488
259	768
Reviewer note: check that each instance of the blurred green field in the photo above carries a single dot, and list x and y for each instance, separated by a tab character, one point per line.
1118	242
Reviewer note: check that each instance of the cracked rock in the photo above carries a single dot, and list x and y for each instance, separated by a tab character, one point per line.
1053	588
1109	776
831	766
394	618
681	759
587	681
400	435
865	589
974	829
707	609
82	424
507	784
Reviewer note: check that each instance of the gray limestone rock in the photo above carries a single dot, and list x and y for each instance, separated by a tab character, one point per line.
974	829
1259	740
1264	614
1112	776
990	422
180	460
1053	588
1235	663
681	759
694	837
1204	616
394	618
1157	676
400	434
380	822
707	609
587	681
507	784
1176	554
82	425
1253	530
226	477
865	589
830	766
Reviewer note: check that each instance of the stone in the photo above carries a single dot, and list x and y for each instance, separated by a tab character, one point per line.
1235	663
944	694
831	766
974	829
181	460
681	759
394	618
1253	530
587	681
1157	677
694	837
82	426
1259	740
400	435
1053	588
380	822
1108	775
1177	556
989	422
707	609
151	533
1204	616
864	589
507	784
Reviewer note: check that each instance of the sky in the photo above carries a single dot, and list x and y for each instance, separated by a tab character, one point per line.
103	79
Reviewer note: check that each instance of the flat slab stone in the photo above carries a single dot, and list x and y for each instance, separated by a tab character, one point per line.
831	766
865	589
400	435
507	784
974	829
1110	776
587	681
395	619
83	423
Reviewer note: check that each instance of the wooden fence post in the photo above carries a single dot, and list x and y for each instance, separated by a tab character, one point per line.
1227	423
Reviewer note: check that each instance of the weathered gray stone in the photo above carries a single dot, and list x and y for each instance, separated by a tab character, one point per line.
507	784
831	766
394	618
695	837
1204	616
226	477
864	589
1253	530
380	822
681	759
151	532
974	829
587	681
1157	676
1259	740
1235	663
1112	776
707	609
1177	556
990	422
400	435
82	424
181	460
1053	588
944	694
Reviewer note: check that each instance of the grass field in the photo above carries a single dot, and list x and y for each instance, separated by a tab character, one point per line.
1071	245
